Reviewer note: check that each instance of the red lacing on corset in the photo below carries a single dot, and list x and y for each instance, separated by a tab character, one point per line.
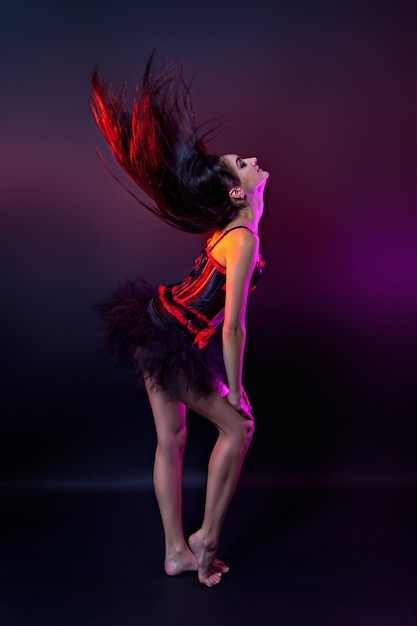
201	336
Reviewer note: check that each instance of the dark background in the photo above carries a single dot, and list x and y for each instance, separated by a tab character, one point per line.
324	94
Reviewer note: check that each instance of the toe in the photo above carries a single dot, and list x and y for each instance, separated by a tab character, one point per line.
213	579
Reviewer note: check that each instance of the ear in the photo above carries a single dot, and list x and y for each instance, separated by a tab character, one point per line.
236	193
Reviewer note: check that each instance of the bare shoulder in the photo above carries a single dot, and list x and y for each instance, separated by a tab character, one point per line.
241	239
237	242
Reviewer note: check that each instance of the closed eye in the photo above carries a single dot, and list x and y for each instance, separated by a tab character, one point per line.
240	163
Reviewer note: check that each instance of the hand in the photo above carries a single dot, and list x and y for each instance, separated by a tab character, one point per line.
240	402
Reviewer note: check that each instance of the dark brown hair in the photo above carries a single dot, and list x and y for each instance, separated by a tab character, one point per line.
156	141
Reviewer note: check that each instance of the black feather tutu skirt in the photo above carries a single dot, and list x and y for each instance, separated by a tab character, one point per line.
166	356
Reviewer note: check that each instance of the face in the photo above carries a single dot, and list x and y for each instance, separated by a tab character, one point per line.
252	177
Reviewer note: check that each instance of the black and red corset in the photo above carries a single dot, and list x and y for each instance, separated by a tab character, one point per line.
196	305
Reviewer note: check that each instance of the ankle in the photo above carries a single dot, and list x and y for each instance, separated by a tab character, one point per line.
208	540
175	549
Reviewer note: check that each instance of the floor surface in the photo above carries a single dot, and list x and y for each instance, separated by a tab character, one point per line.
299	555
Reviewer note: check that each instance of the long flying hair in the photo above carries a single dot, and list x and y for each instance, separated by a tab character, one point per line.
157	143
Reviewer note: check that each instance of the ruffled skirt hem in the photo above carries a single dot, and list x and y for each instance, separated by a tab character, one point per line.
168	357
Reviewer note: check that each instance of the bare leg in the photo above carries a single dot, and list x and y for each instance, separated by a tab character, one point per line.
167	475
235	435
170	424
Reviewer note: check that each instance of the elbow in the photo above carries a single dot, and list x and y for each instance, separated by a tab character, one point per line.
233	332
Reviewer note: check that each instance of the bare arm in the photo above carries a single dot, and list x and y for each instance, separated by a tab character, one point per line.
241	254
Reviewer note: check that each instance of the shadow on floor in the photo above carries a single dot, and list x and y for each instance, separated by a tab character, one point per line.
318	555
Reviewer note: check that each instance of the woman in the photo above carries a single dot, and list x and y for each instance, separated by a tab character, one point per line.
169	333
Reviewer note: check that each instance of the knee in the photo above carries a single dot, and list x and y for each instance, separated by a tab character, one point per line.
173	441
244	433
249	430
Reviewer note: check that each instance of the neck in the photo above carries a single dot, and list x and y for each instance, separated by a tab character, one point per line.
246	217
251	213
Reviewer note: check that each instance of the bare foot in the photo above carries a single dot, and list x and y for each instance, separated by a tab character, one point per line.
180	562
209	568
185	561
220	566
